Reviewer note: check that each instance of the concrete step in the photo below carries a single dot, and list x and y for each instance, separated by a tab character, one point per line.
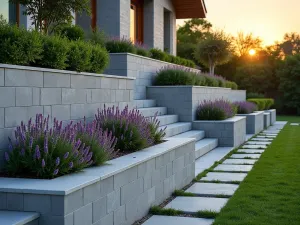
197	134
204	146
18	218
148	112
177	128
167	119
174	220
145	103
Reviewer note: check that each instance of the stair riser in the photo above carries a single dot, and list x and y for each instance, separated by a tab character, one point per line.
144	103
149	112
177	130
202	151
168	120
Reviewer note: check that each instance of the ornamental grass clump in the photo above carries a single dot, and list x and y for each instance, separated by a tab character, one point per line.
133	131
43	152
245	107
215	110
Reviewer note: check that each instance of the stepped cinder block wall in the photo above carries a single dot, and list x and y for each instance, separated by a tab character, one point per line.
184	100
142	68
65	95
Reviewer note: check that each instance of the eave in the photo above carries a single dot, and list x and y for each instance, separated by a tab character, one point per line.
186	9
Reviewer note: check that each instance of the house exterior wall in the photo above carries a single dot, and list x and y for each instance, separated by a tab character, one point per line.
65	95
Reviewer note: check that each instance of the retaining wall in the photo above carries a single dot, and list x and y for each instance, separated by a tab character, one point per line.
254	122
184	100
142	68
230	132
267	119
273	115
65	95
118	193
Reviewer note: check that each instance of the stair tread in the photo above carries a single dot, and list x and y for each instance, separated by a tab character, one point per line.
151	111
145	103
205	142
204	146
170	126
17	218
176	128
191	134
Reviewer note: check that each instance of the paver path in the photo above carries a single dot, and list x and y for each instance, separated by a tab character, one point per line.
218	183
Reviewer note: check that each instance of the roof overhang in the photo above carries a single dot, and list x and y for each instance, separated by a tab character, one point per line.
186	9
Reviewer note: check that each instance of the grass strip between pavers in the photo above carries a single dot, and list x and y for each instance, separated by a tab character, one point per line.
270	194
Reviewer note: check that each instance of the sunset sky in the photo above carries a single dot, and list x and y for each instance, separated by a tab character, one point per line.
269	19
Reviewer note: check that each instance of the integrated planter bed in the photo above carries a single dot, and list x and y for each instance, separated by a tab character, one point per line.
267	119
254	122
184	100
120	192
272	115
230	132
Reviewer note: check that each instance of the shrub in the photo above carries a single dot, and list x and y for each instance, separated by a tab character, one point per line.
211	81
142	50
245	107
19	46
44	152
79	56
99	59
255	95
132	130
116	45
55	52
97	37
102	142
174	76
159	55
73	33
215	110
262	103
232	85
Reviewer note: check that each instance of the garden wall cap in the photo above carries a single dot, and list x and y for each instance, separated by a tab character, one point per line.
40	69
229	120
249	114
69	183
188	86
267	113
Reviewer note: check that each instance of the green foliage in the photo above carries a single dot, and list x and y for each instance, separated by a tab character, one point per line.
183	193
99	59
97	37
19	46
159	54
215	50
210	81
79	56
232	85
73	33
254	95
119	46
262	103
170	77
55	52
55	12
142	52
156	210
289	74
207	214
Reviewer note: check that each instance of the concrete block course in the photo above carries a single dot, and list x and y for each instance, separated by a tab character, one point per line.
119	194
254	122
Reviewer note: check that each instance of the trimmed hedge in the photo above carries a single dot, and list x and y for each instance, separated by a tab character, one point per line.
177	75
262	103
30	48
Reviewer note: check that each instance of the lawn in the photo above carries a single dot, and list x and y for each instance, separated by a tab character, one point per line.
270	194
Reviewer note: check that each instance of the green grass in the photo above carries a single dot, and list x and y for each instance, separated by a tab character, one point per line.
291	119
270	194
156	210
183	193
206	214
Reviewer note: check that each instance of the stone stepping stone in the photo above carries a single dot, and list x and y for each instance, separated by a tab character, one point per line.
264	136
240	161
294	124
194	204
262	139
212	189
233	168
271	133
259	142
175	220
224	177
251	151
243	156
254	146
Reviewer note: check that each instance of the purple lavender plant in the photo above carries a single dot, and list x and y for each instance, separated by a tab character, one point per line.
245	107
118	45
215	110
43	152
130	127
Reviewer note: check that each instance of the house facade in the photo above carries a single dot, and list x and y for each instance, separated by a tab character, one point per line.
150	22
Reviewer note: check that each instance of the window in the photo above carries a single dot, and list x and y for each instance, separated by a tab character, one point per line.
136	21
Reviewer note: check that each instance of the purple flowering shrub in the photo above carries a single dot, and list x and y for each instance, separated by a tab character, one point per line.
215	110
245	107
43	152
133	131
102	142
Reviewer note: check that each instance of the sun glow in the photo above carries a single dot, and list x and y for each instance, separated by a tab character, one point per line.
252	52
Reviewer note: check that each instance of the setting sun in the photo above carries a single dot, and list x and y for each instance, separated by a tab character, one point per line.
252	52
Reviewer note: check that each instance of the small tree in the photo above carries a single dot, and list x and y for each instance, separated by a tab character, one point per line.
245	42
47	14
215	50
